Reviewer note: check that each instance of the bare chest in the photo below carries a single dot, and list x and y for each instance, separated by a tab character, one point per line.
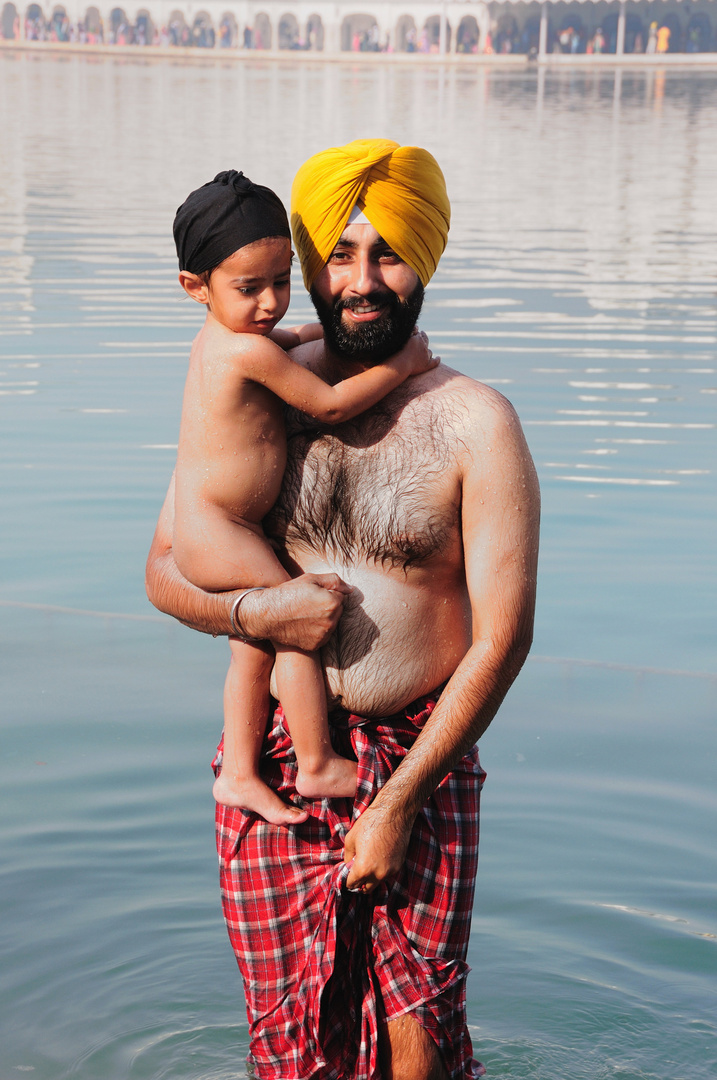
380	490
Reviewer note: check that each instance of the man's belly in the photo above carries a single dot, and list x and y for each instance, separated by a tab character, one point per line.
400	636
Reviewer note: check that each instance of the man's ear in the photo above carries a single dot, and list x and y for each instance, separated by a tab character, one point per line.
194	287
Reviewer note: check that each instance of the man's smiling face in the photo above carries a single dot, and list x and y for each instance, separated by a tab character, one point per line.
367	298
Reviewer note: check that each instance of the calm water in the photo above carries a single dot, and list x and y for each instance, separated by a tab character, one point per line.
580	279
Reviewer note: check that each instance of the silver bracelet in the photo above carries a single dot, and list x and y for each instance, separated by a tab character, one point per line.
237	627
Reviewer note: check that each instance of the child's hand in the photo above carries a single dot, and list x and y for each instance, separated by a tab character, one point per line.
285	339
416	354
298	335
310	332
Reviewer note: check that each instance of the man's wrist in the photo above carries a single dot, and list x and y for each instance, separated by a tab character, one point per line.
237	613
401	799
250	618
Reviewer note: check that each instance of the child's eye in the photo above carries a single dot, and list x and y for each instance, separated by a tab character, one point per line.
246	290
283	284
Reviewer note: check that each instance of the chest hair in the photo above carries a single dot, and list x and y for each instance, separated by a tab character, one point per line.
372	490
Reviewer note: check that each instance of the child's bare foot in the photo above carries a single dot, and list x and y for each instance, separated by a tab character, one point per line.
334	778
253	795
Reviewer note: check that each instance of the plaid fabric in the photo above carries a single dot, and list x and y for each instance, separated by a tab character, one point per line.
322	966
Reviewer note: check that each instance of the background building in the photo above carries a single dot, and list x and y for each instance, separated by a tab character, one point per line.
333	26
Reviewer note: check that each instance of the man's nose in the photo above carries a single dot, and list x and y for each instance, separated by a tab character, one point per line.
366	277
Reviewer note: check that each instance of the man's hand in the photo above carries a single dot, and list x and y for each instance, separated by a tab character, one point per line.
301	613
377	843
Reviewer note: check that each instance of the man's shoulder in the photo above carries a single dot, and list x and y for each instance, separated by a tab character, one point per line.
486	434
309	354
473	405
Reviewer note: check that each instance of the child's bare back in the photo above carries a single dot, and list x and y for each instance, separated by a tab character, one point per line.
232	453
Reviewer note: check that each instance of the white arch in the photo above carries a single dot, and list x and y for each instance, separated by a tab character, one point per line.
384	13
288	31
10	21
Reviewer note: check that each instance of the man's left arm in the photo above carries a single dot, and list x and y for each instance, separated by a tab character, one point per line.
500	521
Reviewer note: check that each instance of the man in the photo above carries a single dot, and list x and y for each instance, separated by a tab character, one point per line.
416	526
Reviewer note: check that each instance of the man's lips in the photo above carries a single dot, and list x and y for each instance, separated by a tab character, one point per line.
364	313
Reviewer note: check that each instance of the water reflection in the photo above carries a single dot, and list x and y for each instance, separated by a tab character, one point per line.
579	275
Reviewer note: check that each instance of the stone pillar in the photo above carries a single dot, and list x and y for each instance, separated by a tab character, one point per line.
483	20
543	40
620	46
332	31
384	29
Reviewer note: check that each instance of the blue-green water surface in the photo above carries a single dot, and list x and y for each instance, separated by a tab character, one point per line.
580	279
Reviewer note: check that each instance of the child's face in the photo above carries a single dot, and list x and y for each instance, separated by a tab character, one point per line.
249	292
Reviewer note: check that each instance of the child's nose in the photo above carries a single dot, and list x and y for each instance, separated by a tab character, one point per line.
269	300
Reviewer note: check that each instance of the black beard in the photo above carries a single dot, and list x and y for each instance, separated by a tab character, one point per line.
371	342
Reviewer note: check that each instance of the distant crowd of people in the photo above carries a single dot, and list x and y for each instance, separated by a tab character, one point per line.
142	32
570	40
659	38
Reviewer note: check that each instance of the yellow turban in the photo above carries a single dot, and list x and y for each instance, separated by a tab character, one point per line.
401	189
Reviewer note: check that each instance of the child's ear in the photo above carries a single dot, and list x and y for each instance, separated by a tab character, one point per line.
194	287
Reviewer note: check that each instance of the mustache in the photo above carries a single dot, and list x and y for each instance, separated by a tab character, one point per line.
374	298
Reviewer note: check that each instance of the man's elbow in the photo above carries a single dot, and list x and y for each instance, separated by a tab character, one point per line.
519	649
153	582
149	587
512	652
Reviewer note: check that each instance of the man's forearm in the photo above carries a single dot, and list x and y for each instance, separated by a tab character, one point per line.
170	592
467	706
301	613
377	843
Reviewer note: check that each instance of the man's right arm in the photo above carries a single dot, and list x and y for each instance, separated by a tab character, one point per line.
301	613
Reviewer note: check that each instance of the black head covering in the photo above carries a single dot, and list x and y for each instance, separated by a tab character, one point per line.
222	216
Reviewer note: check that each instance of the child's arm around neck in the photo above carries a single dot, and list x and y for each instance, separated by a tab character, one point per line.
265	363
298	335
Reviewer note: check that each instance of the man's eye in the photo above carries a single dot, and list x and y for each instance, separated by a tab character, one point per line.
389	256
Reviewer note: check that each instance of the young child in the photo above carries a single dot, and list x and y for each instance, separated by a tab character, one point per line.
234	249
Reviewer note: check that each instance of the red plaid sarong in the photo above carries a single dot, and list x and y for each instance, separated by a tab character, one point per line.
322	966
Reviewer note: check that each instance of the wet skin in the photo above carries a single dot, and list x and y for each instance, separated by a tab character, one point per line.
437	531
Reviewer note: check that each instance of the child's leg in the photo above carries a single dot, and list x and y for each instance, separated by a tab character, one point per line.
217	553
229	554
322	773
246	705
